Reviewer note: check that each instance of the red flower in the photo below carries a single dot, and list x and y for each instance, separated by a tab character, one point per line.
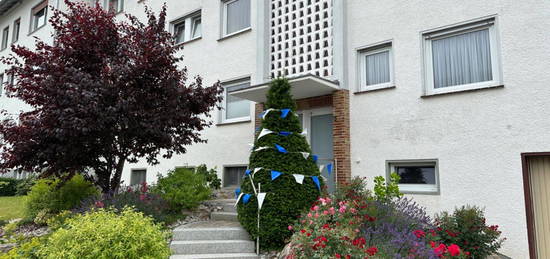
372	251
454	250
337	256
419	233
99	204
451	234
440	250
303	231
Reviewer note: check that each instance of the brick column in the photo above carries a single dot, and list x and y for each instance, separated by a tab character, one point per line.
258	109
341	135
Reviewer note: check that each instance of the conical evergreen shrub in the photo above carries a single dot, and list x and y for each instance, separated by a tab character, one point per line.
285	198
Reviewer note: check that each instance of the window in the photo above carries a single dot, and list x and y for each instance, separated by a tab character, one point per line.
115	6
138	177
376	67
233	175
187	28
1	83
235	108
236	16
5	35
417	176
39	16
16	28
461	58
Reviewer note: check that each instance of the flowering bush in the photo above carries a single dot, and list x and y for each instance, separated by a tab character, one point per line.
467	228
141	199
356	224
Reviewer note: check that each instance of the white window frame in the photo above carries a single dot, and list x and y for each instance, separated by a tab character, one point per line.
415	188
429	36
34	20
5	37
16	30
2	83
225	3
363	53
189	26
223	114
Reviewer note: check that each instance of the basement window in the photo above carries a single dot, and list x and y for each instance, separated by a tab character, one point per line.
417	176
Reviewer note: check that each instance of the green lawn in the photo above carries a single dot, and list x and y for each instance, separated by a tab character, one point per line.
12	207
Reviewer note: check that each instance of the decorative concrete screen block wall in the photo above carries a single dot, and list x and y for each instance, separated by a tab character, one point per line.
301	37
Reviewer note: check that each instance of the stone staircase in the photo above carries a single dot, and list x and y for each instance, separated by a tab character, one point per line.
222	237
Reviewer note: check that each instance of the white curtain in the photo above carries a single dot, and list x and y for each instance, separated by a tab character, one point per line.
236	107
378	68
462	59
238	15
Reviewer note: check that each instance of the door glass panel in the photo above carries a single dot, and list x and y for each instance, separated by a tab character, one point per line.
321	144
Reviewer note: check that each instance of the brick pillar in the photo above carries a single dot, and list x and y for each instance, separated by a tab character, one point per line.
341	135
258	109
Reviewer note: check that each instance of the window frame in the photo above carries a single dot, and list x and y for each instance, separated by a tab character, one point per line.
1	84
223	114
33	25
132	175
429	189
224	17
120	7
188	21
16	30
5	38
458	29
239	180
362	65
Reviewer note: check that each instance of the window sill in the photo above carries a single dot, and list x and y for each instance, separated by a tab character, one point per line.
374	89
237	121
231	35
189	41
489	87
35	30
421	192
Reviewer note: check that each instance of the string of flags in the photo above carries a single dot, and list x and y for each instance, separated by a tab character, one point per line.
284	112
266	132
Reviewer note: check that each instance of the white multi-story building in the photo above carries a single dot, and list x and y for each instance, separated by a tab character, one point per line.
455	97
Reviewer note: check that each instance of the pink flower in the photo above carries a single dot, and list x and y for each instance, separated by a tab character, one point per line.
325	212
342	209
99	204
290	228
315	208
454	250
353	210
316	215
331	210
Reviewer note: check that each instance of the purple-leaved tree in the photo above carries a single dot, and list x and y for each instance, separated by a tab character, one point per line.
105	93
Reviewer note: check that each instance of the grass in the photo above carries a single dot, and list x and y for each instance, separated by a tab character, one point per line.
12	207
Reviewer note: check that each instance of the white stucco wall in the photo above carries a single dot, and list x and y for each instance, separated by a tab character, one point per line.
476	136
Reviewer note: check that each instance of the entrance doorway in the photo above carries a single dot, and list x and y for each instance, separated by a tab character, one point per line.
536	173
318	123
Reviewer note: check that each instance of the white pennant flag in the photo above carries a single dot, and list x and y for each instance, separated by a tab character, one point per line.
299	178
304	132
256	170
261	148
321	167
305	154
266	112
264	132
238	198
261	197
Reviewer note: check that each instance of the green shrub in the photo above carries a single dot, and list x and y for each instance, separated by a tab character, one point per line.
466	227
24	186
26	250
48	197
8	186
183	188
107	234
286	199
387	190
211	177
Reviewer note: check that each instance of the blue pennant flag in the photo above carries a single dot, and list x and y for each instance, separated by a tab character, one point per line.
261	115
316	181
237	192
246	198
285	133
315	157
284	113
247	172
329	168
275	174
281	149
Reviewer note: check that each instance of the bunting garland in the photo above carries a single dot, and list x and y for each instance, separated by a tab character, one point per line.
284	112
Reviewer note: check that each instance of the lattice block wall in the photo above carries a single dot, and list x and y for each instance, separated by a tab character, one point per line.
301	37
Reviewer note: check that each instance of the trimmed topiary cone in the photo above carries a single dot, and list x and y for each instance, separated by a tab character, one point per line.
286	199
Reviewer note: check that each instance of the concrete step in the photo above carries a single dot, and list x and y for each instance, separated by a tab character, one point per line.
229	207
214	233
225	216
217	256
212	247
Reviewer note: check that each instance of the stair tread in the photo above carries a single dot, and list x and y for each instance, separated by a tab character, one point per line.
185	242
221	255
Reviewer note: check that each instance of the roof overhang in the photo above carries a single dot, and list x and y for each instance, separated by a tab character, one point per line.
6	5
304	86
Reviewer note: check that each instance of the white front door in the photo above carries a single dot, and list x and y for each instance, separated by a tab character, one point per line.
318	123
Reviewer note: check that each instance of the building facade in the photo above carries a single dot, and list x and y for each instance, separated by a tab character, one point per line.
452	96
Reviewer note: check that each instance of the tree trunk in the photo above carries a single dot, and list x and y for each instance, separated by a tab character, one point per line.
115	180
